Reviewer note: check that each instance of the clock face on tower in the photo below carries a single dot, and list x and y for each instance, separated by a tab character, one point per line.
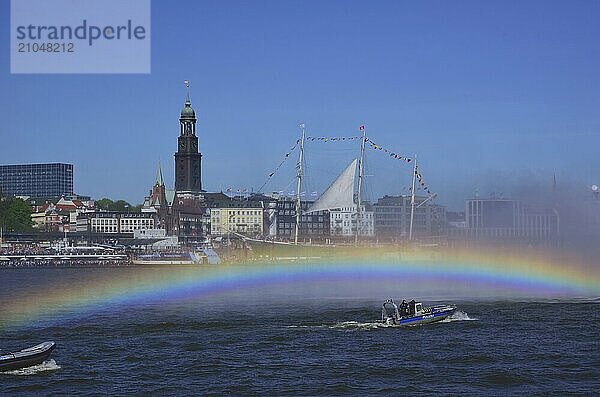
181	145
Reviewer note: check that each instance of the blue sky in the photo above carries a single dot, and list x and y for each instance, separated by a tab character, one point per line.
488	95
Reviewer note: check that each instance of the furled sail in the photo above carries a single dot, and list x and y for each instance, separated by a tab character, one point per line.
339	194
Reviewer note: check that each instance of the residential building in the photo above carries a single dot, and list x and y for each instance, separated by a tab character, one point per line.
58	215
343	221
312	225
243	220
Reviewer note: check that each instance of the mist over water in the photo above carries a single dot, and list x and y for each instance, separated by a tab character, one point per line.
59	294
305	328
259	342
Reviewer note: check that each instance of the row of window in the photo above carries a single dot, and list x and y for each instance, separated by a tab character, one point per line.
285	225
238	212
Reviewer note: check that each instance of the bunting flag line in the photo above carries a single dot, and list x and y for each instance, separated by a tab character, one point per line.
382	149
287	155
333	139
372	144
422	183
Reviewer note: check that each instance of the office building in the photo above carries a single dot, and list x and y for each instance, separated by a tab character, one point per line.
511	221
114	222
37	180
392	218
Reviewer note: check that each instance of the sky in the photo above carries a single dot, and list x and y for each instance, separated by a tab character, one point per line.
488	95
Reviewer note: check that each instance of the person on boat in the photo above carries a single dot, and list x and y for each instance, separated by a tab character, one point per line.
412	304
403	307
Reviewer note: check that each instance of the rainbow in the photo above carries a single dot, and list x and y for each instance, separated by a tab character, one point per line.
534	275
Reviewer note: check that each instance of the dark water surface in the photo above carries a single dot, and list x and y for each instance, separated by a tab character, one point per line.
228	345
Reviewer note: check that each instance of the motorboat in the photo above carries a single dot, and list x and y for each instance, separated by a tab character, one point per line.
413	313
27	357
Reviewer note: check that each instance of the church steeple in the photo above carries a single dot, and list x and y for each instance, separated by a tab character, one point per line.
159	177
188	158
187	120
158	197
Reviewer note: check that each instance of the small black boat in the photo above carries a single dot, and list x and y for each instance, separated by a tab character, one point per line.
27	357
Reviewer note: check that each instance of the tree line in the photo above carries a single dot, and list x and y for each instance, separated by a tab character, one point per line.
118	206
15	213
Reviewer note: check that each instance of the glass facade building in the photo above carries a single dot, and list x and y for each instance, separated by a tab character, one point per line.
37	180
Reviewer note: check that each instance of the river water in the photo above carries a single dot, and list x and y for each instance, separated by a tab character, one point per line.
238	343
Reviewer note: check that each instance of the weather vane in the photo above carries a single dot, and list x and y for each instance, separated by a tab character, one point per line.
187	89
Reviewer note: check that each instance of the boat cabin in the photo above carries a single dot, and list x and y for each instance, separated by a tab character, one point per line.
415	308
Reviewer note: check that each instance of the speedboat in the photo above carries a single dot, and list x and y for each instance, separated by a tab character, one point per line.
413	313
27	357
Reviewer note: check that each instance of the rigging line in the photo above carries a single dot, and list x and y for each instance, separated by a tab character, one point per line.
279	166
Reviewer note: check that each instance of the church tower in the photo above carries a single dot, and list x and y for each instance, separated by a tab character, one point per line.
188	159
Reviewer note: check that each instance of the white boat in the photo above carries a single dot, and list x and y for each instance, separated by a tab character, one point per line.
189	258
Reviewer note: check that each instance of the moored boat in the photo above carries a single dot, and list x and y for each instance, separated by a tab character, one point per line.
413	313
168	258
27	357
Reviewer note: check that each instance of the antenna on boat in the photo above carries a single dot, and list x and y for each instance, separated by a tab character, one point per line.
412	198
299	174
360	177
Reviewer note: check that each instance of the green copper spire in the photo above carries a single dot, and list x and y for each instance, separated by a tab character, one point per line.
159	177
187	112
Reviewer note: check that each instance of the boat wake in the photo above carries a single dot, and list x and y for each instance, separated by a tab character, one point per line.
49	365
459	316
346	325
359	325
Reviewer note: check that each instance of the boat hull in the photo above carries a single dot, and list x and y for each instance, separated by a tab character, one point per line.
27	357
422	318
159	262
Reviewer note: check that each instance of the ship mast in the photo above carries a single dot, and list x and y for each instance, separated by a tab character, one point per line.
360	177
412	198
299	175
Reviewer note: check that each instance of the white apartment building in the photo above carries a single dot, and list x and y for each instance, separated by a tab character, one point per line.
114	222
343	222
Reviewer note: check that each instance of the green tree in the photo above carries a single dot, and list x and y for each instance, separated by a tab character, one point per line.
104	204
3	210
119	205
15	214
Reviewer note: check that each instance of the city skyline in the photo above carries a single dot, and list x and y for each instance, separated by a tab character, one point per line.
516	99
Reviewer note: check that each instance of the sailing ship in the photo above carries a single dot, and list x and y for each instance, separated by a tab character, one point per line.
340	193
344	193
